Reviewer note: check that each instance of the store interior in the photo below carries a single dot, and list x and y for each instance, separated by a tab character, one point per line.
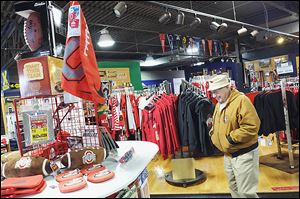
112	86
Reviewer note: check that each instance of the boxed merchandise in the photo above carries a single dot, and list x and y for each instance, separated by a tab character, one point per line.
40	76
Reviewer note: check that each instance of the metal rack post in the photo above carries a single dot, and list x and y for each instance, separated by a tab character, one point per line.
287	123
279	154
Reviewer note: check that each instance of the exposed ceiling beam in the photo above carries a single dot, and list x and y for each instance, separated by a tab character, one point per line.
275	5
290	28
237	6
282	21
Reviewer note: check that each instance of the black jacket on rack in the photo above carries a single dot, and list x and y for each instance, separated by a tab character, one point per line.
204	109
269	106
193	112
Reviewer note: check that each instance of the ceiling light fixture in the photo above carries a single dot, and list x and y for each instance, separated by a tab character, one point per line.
222	27
165	18
196	22
105	39
280	40
120	9
254	33
149	61
180	18
214	26
242	31
217	27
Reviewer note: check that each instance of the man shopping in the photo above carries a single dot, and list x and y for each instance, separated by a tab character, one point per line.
235	132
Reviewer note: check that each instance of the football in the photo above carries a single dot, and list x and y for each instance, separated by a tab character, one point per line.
33	34
26	166
79	158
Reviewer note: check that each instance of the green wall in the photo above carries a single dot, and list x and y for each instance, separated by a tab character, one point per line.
134	69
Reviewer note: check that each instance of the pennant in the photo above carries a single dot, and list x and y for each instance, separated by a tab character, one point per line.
221	48
178	42
80	75
204	47
184	42
170	40
191	42
210	46
162	37
215	48
197	43
226	48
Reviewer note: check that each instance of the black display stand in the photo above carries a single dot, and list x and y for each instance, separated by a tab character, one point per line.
200	177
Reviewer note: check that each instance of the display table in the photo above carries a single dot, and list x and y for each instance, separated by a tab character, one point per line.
124	174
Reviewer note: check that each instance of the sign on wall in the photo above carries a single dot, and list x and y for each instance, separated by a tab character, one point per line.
118	75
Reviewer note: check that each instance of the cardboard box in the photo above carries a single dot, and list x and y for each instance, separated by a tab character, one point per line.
40	76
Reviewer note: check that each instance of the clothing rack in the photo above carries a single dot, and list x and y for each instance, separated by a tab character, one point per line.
188	175
187	85
166	87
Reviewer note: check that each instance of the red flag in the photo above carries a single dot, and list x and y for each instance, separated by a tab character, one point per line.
162	37
80	75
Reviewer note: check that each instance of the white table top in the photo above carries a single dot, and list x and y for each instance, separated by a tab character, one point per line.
124	174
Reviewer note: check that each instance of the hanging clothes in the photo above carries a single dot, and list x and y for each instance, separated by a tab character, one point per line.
194	110
130	116
159	123
269	107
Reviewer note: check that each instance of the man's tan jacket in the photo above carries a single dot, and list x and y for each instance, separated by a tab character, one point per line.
235	127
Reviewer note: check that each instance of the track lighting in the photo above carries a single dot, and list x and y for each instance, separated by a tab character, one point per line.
214	26
180	18
222	27
242	31
217	27
149	61
196	22
253	33
105	39
165	18
120	8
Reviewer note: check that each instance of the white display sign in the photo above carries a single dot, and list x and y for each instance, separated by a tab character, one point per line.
177	83
284	68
